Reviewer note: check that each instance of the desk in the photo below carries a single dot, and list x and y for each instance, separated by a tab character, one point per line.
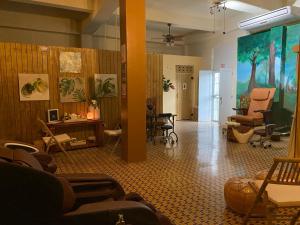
98	130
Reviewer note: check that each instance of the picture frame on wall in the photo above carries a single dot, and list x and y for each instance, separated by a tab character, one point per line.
106	85
72	89
33	87
53	115
70	62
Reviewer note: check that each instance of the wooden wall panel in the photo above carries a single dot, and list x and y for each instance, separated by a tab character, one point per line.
154	79
18	119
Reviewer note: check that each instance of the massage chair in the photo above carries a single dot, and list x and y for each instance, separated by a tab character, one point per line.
29	195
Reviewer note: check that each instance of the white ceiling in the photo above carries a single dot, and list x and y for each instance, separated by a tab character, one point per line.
163	27
193	8
186	16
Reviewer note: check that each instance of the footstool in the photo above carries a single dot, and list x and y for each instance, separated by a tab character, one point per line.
239	196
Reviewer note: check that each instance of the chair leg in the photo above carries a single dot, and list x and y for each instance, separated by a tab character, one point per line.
248	214
47	148
116	145
64	151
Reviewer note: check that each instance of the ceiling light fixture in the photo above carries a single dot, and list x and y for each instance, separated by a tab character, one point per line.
218	7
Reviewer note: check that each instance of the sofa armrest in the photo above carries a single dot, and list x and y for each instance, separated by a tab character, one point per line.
107	212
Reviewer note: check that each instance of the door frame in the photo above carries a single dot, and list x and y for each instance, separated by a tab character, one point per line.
178	89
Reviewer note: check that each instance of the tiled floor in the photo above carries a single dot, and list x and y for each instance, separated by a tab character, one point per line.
186	183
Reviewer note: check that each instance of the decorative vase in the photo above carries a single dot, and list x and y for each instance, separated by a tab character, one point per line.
96	113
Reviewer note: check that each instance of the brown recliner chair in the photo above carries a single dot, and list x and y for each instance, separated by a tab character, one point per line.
261	100
87	187
46	161
32	196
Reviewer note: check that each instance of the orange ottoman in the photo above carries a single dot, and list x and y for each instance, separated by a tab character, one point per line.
239	196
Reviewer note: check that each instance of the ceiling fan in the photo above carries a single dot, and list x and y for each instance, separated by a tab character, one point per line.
170	39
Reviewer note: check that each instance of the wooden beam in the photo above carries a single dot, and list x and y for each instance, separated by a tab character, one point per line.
133	96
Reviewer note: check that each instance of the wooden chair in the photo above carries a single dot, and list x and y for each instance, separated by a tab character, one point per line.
116	133
280	189
50	139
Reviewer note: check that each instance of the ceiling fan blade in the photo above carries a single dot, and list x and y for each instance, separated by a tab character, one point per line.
177	39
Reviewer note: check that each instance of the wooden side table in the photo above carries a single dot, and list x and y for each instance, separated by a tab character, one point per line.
98	130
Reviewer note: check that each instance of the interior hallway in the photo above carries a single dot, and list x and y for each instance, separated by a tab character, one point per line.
185	183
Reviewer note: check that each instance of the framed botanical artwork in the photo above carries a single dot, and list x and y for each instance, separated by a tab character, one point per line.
72	89
33	87
106	85
70	62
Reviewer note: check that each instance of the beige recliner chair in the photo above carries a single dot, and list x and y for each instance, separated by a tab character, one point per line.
261	100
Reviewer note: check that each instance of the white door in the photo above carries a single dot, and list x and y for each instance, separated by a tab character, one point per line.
216	100
226	95
205	96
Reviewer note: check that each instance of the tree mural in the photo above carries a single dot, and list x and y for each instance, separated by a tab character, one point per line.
272	64
254	49
290	81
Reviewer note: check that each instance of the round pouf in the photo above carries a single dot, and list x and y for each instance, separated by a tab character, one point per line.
239	196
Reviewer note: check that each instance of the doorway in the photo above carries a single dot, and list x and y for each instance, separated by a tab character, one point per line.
184	96
215	96
217	100
205	96
226	96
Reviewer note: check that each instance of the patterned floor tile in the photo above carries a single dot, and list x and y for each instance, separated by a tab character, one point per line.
186	182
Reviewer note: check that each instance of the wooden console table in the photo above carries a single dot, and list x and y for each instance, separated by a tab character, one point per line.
98	130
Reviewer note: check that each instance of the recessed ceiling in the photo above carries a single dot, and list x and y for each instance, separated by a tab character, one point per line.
163	27
42	10
194	8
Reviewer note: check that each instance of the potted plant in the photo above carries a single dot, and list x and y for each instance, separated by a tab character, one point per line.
167	84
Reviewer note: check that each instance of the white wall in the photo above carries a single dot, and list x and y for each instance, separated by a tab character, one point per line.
38	29
32	28
218	50
169	71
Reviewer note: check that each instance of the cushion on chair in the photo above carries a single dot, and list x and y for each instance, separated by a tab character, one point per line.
282	195
60	138
113	132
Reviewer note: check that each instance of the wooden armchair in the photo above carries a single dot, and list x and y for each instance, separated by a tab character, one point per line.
280	189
